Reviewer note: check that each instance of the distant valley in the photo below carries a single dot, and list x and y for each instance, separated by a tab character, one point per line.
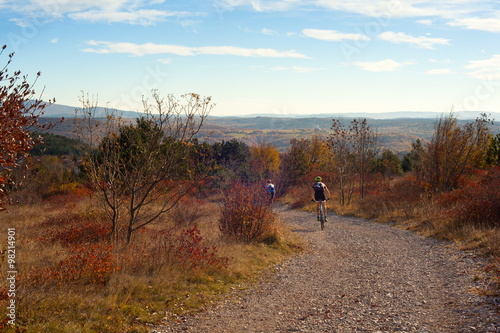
398	130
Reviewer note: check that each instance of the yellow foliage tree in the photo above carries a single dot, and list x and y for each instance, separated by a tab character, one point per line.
264	160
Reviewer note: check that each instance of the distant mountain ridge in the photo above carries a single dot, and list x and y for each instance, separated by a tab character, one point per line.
59	110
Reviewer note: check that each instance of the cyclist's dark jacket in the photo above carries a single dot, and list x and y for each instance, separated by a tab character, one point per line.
319	191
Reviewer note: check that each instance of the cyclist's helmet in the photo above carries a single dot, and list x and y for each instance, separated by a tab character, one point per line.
269	181
318	179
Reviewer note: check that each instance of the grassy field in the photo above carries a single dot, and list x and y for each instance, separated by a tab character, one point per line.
70	279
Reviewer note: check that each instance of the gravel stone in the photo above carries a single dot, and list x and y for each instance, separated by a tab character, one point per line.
357	276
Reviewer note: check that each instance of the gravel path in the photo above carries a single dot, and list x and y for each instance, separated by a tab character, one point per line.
357	276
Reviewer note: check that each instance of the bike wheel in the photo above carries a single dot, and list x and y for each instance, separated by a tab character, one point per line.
322	217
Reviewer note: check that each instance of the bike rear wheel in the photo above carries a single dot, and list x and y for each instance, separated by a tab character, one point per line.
321	217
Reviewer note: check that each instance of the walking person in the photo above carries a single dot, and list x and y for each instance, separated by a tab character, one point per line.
318	194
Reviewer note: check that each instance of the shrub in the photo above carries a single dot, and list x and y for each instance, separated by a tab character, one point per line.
246	214
192	252
87	264
187	213
186	250
476	201
402	197
71	229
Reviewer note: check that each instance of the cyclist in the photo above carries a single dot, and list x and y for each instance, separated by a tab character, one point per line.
318	191
270	191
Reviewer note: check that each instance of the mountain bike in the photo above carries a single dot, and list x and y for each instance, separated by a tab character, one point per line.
322	217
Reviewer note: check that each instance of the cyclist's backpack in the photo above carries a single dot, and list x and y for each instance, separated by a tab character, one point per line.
318	187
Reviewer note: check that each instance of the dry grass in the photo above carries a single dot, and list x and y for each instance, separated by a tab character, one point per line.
151	280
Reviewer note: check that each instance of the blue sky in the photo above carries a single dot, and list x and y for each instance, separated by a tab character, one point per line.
256	56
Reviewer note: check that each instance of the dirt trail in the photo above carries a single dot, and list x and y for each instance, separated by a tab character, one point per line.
357	276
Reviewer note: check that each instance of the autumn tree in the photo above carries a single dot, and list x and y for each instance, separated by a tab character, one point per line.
493	153
413	160
264	160
19	112
232	161
142	170
388	164
302	157
453	150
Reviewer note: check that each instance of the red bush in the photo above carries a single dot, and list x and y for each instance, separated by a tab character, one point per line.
404	194
476	202
192	252
89	263
73	228
187	250
246	214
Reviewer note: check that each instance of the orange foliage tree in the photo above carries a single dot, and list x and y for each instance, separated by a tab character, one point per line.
265	159
18	113
454	150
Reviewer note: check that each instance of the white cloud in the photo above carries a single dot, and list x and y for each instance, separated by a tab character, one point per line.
488	69
55	8
269	32
143	17
439	71
297	69
421	41
111	11
54	40
475	23
262	5
150	48
425	22
387	65
407	8
450	9
435	61
333	36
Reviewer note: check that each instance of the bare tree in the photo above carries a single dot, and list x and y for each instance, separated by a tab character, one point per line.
365	149
340	142
354	149
142	170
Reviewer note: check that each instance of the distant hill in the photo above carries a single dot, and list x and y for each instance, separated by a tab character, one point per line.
381	115
59	110
398	130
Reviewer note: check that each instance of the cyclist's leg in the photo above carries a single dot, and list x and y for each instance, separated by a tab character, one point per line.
324	207
317	208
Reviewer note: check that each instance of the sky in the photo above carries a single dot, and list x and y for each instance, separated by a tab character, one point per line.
261	56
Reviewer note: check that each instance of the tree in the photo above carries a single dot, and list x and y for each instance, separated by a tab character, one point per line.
388	164
19	112
231	161
493	153
453	150
413	160
302	157
365	149
143	170
354	149
264	160
340	142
